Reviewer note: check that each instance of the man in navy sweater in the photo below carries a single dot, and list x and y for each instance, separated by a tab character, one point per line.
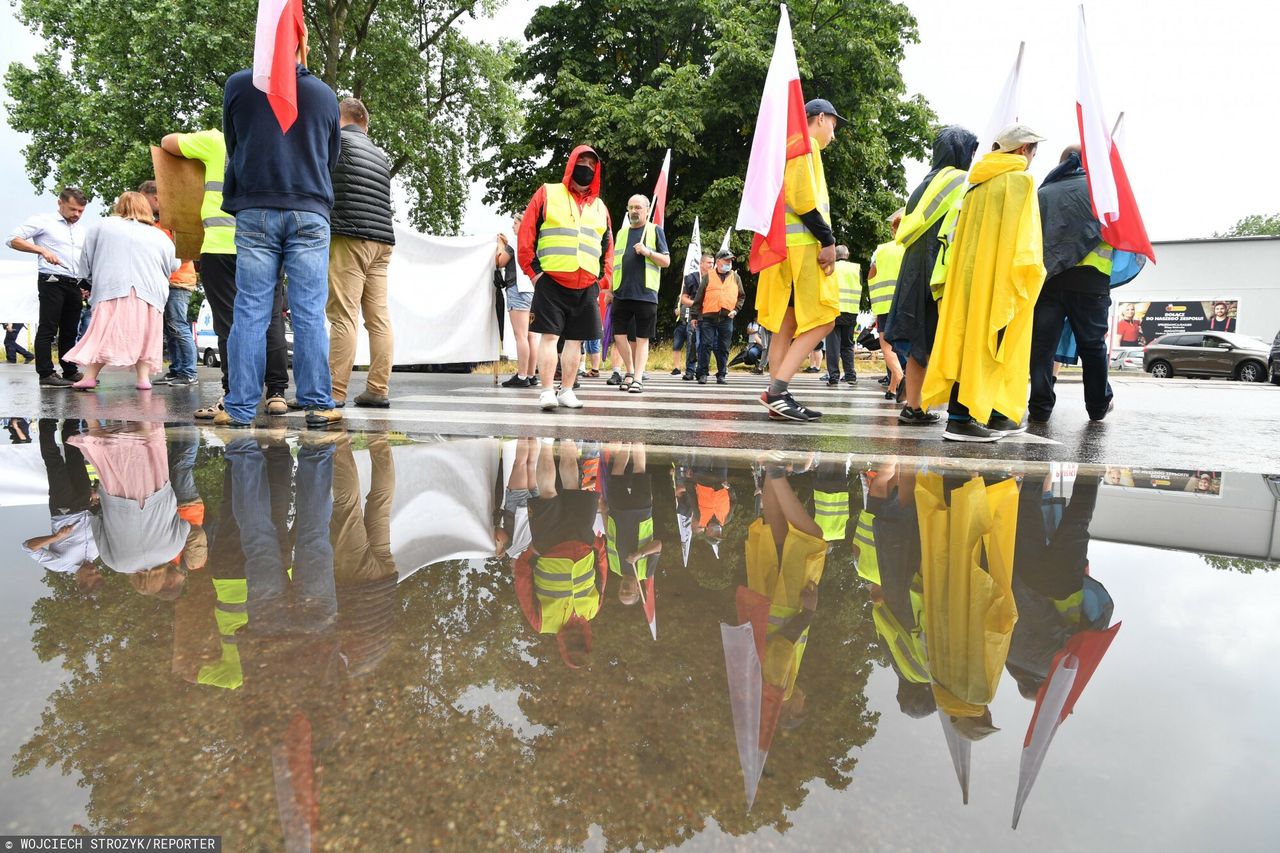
278	187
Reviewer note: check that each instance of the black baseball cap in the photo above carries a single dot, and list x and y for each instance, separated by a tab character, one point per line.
822	105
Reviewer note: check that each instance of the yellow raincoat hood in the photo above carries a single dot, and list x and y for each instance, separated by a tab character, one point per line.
994	276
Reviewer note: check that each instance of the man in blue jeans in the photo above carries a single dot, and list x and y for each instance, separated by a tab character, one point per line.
719	299
179	343
279	188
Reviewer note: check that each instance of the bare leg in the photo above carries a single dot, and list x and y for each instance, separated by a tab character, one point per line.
891	362
569	361
783	367
143	373
622	346
569	463
637	458
520	470
547	360
546	472
640	356
520	329
531	368
778	489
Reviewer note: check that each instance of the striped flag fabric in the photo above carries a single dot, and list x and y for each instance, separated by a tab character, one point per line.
275	56
658	210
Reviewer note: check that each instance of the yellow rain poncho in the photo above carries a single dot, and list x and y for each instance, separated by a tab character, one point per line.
994	275
969	612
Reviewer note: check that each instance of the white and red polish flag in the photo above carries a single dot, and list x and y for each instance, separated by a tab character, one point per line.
1113	201
658	211
275	52
782	133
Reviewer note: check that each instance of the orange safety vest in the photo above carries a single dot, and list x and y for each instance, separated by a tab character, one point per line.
721	293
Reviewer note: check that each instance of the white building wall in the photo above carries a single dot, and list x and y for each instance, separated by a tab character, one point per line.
1246	269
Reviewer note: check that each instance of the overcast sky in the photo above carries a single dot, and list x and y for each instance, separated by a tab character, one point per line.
1196	82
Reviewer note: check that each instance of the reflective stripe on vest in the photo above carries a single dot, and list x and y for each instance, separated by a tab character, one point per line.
942	194
216	221
1101	259
569	239
798	234
721	293
887	262
565	588
847	276
865	538
831	511
652	275
231	614
611	548
1071	607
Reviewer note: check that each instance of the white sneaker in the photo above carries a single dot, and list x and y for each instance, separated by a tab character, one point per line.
547	400
568	399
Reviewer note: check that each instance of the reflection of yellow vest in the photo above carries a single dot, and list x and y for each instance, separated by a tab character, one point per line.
850	286
1100	259
906	646
798	234
652	275
865	538
887	260
565	588
831	511
611	548
569	239
231	615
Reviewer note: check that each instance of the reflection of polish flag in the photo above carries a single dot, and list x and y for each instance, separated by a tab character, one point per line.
1113	201
275	56
782	133
660	192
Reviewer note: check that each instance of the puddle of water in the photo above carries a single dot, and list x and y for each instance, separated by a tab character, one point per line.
337	640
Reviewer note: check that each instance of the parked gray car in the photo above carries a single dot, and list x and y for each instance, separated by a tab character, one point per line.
1207	354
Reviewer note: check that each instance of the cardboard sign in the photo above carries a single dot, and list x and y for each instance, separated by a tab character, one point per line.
180	188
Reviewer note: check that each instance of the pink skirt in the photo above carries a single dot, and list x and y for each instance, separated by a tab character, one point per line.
131	463
123	332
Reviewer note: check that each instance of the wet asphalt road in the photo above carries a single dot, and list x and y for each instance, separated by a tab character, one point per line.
1176	423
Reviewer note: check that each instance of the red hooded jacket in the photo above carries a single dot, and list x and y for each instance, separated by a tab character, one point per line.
536	213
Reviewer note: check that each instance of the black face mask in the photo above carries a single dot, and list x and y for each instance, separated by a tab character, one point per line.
583	174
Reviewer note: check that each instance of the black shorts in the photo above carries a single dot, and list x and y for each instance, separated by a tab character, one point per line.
568	517
635	318
558	310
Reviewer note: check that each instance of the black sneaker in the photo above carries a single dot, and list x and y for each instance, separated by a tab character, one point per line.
702	380
53	380
970	430
675	371
851	380
614	379
516	382
784	407
533	381
1111	404
833	383
73	377
720	380
688	376
1005	426
916	417
883	380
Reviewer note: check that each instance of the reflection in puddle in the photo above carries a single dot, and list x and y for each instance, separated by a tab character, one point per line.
335	639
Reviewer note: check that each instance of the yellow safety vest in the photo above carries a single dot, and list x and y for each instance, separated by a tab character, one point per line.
1101	259
231	614
569	239
798	234
940	199
652	275
611	548
831	511
565	588
850	281
868	561
888	261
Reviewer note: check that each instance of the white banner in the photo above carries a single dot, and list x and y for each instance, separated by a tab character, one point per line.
441	296
19	299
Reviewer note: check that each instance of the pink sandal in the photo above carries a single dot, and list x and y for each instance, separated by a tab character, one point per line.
85	385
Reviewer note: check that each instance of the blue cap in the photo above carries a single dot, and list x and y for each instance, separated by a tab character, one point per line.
822	106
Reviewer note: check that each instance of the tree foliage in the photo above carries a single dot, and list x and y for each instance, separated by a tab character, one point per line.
115	77
1254	225
634	78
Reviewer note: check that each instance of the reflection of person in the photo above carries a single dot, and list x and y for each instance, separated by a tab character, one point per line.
1054	593
560	578
70	548
139	530
714	503
967	529
627	505
1129	329
511	533
1220	322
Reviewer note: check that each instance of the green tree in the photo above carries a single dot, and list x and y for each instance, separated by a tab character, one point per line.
635	78
115	77
1254	225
